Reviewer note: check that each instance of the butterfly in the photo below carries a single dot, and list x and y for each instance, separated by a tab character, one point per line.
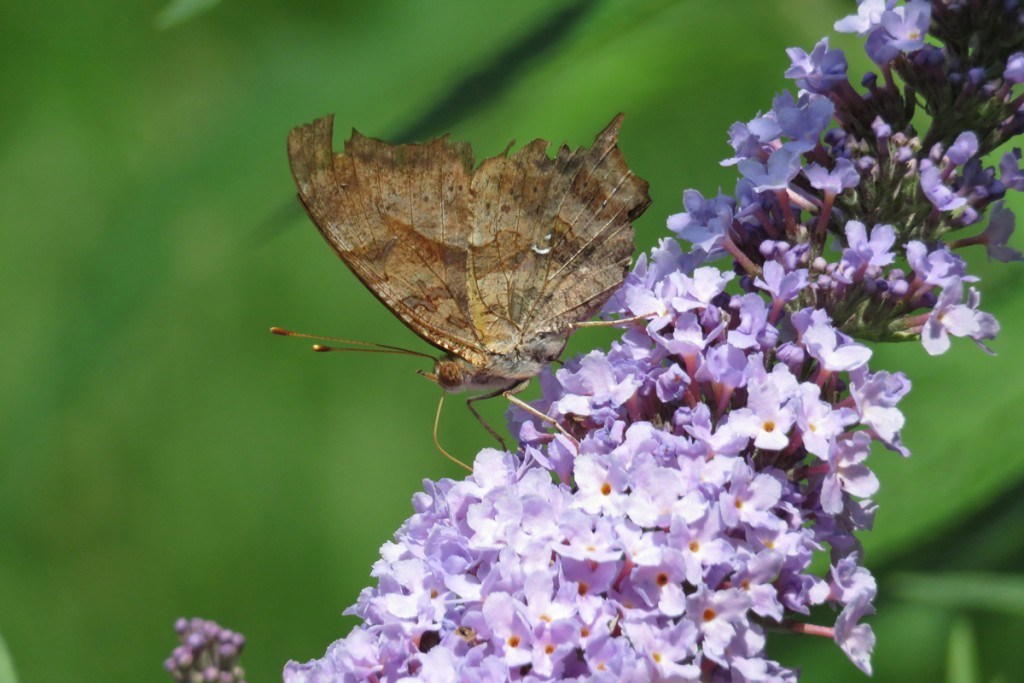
495	265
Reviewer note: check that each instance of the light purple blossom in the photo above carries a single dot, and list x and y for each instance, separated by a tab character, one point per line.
820	71
667	648
1009	171
868	17
757	577
719	616
835	354
819	422
951	317
854	587
782	166
938	193
594	384
725	365
751	498
899	30
873	251
804	119
963	148
1014	72
842	177
746	144
1000	228
882	130
768	417
698	291
938	267
705	223
766	129
876	396
752	330
847	473
856	639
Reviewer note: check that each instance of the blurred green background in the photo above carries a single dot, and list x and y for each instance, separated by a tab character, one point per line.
163	455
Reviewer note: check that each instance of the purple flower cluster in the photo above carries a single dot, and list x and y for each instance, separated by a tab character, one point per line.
721	446
208	653
691	490
847	169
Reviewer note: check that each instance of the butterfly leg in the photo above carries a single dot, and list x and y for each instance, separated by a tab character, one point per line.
473	399
437	418
510	394
613	323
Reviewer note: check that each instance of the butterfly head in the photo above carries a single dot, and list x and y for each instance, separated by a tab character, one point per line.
449	373
455	374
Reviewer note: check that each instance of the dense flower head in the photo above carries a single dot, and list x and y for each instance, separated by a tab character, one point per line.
699	466
671	520
836	167
208	653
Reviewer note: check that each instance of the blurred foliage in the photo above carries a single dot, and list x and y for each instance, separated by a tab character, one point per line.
7	674
991	592
162	455
178	11
962	655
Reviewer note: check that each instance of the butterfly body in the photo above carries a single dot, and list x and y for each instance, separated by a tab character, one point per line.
493	265
500	371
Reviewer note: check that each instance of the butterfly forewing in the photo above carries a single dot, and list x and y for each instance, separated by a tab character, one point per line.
397	216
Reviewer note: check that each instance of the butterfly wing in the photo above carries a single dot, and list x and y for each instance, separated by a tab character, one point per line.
398	216
551	239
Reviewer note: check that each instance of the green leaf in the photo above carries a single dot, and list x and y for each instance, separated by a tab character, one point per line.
978	591
962	654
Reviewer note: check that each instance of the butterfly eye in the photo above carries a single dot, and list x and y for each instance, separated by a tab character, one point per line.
449	373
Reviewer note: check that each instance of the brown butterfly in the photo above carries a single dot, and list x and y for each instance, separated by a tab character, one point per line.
494	265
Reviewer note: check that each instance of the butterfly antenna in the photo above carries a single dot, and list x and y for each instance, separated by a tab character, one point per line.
373	346
437	419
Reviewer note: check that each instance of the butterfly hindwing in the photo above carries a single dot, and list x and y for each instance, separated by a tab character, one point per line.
555	242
